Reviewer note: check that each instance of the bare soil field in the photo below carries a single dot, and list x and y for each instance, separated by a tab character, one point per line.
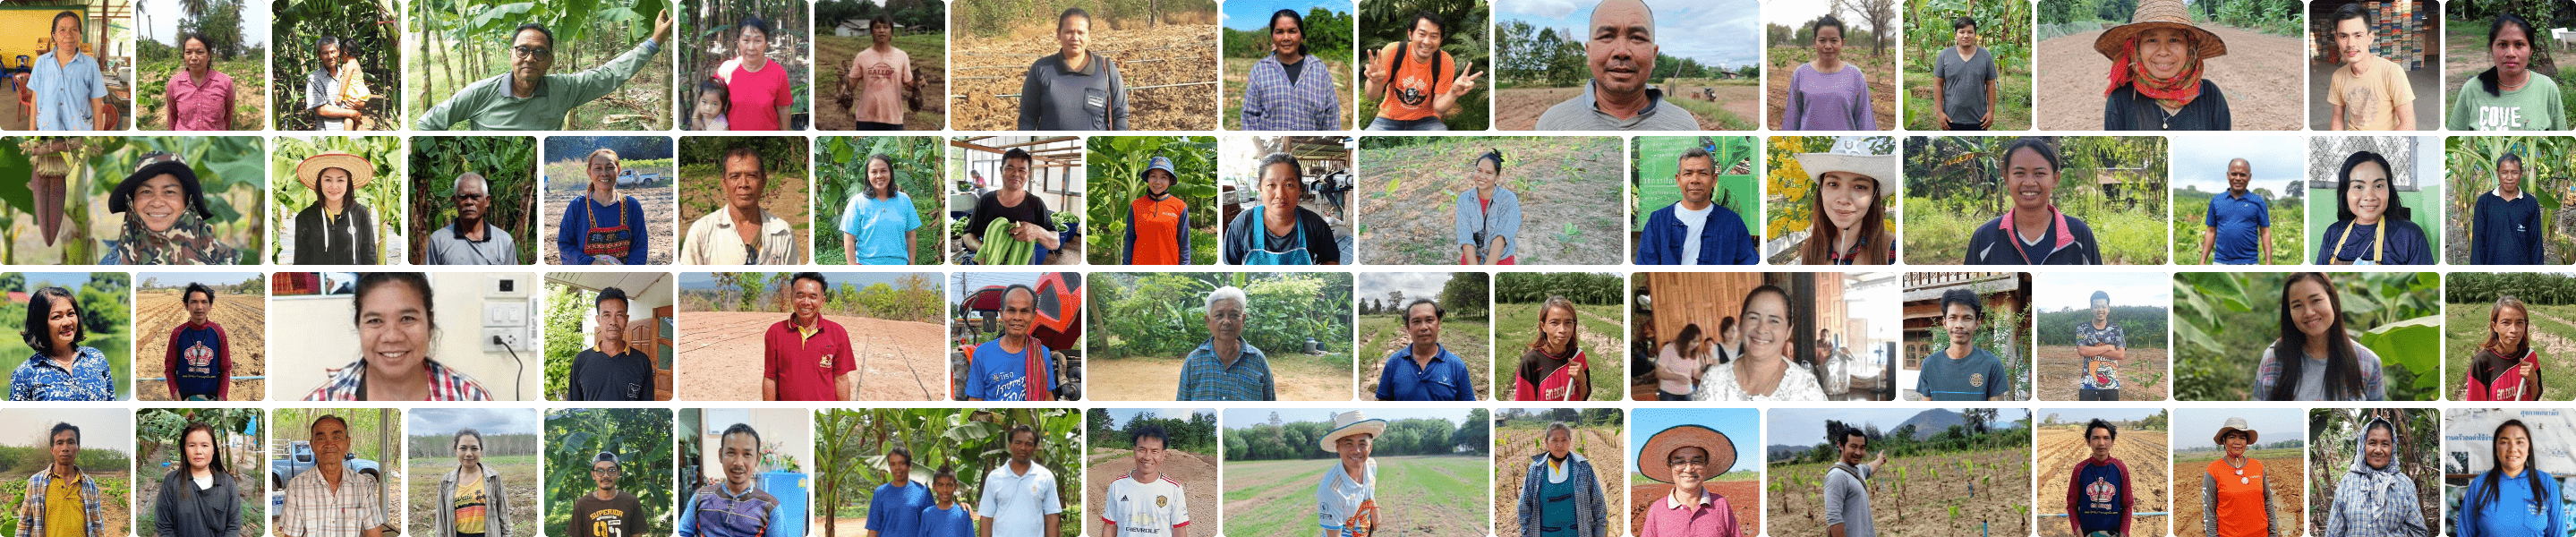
2288	492
1196	473
1513	449
832	60
1914	496
2251	74
1410	208
2142	377
989	67
244	318
565	182
522	492
2144	452
720	359
1744	496
1517	109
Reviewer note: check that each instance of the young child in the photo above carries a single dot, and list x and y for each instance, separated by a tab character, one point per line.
353	85
947	518
714	101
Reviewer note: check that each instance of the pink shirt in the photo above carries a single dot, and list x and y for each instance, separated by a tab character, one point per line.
882	77
1711	517
200	105
756	95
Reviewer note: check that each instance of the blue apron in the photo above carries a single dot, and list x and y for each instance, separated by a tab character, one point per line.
1261	254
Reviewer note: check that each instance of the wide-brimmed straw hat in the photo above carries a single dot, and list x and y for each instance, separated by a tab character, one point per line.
1721	451
153	165
2154	14
1351	423
360	171
1849	155
2235	425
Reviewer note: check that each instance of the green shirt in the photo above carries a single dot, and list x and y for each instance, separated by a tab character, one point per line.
2535	107
488	105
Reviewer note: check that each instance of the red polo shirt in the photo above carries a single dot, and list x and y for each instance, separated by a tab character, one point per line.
804	364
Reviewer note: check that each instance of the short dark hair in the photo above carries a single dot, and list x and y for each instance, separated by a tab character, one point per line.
2508	156
1068	14
1018	154
744	151
1018	287
1965	297
370	281
75	16
740	428
1437	312
2097	423
40	304
2350	11
609	294
185	37
944	471
1849	433
899	451
327	41
1018	428
1427	15
1275	159
1150	431
2036	145
881	19
59	427
540	28
802	276
724	94
194	288
753	22
317	422
2104	296
1962	22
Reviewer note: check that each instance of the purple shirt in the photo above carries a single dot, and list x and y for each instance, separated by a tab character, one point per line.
1711	517
200	105
1829	102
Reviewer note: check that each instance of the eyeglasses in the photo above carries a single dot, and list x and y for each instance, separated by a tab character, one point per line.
525	51
603	471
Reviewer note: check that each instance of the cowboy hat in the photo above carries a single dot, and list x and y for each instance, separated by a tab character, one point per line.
1849	156
1721	451
360	171
154	164
2155	14
2232	425
1351	423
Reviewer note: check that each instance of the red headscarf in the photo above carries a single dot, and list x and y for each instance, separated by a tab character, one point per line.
2174	91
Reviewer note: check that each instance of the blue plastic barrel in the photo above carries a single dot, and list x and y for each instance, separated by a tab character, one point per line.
793	506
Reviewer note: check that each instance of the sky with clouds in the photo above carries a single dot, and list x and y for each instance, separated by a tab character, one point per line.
161	19
2064	290
1413	284
2201	161
2193	427
1724	33
492	421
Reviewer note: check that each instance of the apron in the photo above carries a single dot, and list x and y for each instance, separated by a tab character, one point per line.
2378	248
1261	254
606	240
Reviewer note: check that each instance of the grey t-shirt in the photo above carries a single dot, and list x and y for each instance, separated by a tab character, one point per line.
1847	500
1054	98
320	89
1964	96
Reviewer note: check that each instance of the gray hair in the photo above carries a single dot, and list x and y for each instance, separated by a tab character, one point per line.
1229	293
476	177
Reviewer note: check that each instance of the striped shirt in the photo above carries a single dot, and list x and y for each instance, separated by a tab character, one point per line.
717	512
1205	377
313	509
40	485
444	384
40	379
1272	102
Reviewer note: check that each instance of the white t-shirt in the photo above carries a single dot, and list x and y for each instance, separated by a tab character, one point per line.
1338	499
1019	503
1692	222
1145	509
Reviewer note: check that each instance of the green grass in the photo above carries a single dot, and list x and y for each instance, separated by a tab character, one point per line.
1936	237
1400	478
2190	209
1517	325
2012	101
1466	337
1726	121
2464	328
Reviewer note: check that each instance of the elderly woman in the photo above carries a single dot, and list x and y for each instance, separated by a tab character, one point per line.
1850	203
2509	96
395	318
1227	368
602	227
759	87
200	97
1489	216
2514	498
2235	493
1764	372
2375	497
2156	65
335	230
1561	496
471	501
62	369
165	217
1278	232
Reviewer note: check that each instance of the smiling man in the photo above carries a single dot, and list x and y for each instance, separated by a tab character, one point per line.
1425	370
1227	368
741	232
1847	512
2369	93
1690	455
1019	497
330	499
607	511
2098	500
1962	371
736	507
1620	51
528	98
1014	367
2102	346
2238	227
472	239
805	357
1146	502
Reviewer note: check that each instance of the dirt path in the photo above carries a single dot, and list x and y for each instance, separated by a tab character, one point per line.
2558	353
566	183
2255	69
1512	464
244	318
720	361
2142	377
2143	451
1561	182
987	67
1517	109
1195	472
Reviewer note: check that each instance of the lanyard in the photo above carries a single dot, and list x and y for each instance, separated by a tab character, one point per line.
2378	247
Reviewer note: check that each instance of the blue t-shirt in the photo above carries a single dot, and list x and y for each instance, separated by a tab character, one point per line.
1446	379
896	511
999	375
951	522
63	92
2513	511
2239	221
1978	377
878	226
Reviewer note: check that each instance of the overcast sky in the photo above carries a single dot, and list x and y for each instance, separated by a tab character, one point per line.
1413	284
490	421
2061	290
162	17
211	279
1238	418
1725	33
1120	416
101	428
2201	161
1806	426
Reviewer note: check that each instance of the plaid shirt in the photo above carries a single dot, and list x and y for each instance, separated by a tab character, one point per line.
31	515
444	384
2108	378
1272	103
40	379
1204	377
313	510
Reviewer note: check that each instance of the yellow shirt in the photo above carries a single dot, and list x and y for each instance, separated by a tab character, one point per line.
64	514
471	505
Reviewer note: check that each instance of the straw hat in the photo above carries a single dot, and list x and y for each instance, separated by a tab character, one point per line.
2154	14
1351	423
152	165
1850	156
360	171
1721	451
2232	425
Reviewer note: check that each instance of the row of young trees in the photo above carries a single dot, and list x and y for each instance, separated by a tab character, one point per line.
1195	433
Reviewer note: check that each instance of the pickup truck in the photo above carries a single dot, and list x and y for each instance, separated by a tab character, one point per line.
300	458
630	178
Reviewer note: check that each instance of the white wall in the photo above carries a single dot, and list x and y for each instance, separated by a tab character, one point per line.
791	428
315	334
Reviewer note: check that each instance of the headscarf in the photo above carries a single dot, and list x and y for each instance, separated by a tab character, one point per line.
189	241
2175	91
2377	482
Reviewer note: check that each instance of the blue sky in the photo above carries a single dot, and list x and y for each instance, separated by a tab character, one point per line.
1253	14
66	280
2060	290
1724	33
1238	418
162	16
1806	426
1742	425
2192	427
2202	160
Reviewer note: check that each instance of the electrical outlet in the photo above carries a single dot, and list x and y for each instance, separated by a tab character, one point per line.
494	337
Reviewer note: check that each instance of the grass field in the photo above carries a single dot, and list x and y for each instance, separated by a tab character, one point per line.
250	93
519	476
1427	496
1600	335
2127	236
2552	334
2012	101
1381	335
2289	222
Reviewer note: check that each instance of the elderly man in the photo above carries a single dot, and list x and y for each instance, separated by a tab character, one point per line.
610	370
1074	89
1026	213
199	97
603	227
323	88
71	94
1227	368
1425	370
528	98
880	75
741	233
806	357
1001	369
2238	228
62	500
736	507
331	499
1346	499
1621	53
1020	497
471	240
